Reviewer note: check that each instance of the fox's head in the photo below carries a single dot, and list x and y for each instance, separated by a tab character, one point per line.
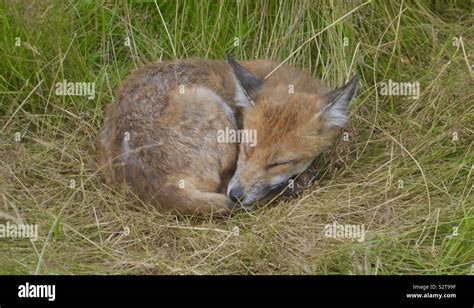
292	129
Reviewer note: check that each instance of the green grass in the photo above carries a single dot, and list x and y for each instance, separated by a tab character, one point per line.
82	230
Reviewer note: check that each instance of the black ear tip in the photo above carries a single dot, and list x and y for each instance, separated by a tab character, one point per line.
355	79
353	84
230	58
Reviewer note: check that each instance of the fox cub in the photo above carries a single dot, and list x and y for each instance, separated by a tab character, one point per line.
161	135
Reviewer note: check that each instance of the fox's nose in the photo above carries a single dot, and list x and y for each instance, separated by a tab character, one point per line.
236	194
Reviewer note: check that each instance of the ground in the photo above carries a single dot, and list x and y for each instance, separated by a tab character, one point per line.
402	169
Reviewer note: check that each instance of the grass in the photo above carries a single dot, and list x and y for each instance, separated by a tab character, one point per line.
401	174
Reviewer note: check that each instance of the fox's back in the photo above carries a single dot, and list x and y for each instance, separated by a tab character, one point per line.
145	93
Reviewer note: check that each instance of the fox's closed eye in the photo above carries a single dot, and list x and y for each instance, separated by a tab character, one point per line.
279	164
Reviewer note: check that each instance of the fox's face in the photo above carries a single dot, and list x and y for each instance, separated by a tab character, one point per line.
292	129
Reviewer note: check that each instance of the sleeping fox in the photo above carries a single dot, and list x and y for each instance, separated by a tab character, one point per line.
161	134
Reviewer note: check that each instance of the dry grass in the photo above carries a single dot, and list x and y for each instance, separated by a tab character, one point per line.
92	228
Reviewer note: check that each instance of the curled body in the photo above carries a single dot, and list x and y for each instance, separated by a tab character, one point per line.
161	134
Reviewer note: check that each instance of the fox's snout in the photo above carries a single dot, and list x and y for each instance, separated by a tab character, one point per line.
250	183
236	193
245	194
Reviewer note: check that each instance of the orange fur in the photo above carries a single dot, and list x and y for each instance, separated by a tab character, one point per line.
160	135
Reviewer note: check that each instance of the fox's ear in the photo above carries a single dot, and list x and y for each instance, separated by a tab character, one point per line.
247	83
338	100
